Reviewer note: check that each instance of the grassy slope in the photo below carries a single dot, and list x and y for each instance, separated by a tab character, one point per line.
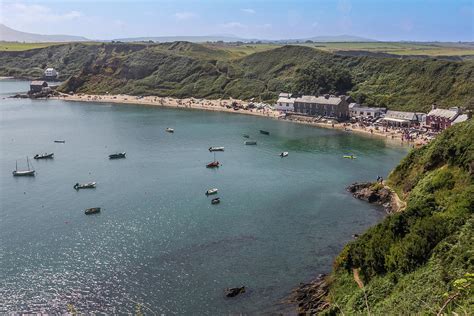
184	69
410	262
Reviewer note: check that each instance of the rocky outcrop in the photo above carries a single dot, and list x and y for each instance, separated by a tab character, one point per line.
311	298
376	193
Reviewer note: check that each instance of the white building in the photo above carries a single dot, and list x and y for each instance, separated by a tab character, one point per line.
51	73
358	111
285	103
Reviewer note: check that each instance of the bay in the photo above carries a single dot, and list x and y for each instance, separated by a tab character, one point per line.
158	243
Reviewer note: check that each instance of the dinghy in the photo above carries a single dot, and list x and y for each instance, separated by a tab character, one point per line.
284	154
90	185
117	156
350	157
215	201
93	210
211	191
214	164
216	148
169	130
264	132
44	156
60	141
250	142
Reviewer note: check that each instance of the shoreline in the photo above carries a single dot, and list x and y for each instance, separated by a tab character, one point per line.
221	105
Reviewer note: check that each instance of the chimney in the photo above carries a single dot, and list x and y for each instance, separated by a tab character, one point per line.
433	106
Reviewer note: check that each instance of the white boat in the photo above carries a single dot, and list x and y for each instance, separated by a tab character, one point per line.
284	154
250	142
211	191
90	185
20	173
170	130
216	148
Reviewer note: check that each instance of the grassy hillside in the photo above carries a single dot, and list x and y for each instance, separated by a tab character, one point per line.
421	259
184	69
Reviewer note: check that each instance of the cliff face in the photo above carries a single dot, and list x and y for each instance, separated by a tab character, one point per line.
183	69
420	260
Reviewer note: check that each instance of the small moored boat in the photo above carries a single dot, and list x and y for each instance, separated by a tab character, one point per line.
216	148
44	156
23	173
246	136
117	156
264	132
214	164
215	201
90	185
250	142
60	141
92	210
169	130
211	191
350	157
284	154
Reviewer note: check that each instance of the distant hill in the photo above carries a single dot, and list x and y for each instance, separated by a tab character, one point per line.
10	35
232	38
329	39
193	39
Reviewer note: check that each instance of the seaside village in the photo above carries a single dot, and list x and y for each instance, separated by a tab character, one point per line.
414	128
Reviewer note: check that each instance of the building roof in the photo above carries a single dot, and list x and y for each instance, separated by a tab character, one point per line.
449	114
284	95
49	69
320	100
399	115
359	107
285	100
461	118
38	83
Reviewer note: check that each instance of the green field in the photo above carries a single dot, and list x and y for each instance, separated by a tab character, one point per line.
396	48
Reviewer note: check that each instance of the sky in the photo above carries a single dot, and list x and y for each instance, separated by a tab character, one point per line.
389	20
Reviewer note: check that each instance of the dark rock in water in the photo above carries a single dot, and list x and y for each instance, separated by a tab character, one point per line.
373	193
234	291
19	96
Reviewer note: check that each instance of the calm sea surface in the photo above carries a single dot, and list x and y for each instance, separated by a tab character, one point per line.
158	244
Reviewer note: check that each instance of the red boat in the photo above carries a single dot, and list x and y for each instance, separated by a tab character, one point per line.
213	164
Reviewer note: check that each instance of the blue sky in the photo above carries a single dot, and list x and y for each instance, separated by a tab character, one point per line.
417	20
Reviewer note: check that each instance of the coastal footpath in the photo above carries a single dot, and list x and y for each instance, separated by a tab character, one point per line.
420	259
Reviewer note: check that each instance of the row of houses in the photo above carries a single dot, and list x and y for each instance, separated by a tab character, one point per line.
326	105
342	108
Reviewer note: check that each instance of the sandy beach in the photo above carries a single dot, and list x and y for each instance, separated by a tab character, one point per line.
225	105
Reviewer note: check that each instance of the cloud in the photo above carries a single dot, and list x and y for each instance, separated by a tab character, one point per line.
248	11
233	25
185	15
19	13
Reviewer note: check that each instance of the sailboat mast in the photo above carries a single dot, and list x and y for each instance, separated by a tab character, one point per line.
16	165
28	162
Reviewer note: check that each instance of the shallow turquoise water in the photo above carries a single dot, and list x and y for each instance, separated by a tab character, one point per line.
158	241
